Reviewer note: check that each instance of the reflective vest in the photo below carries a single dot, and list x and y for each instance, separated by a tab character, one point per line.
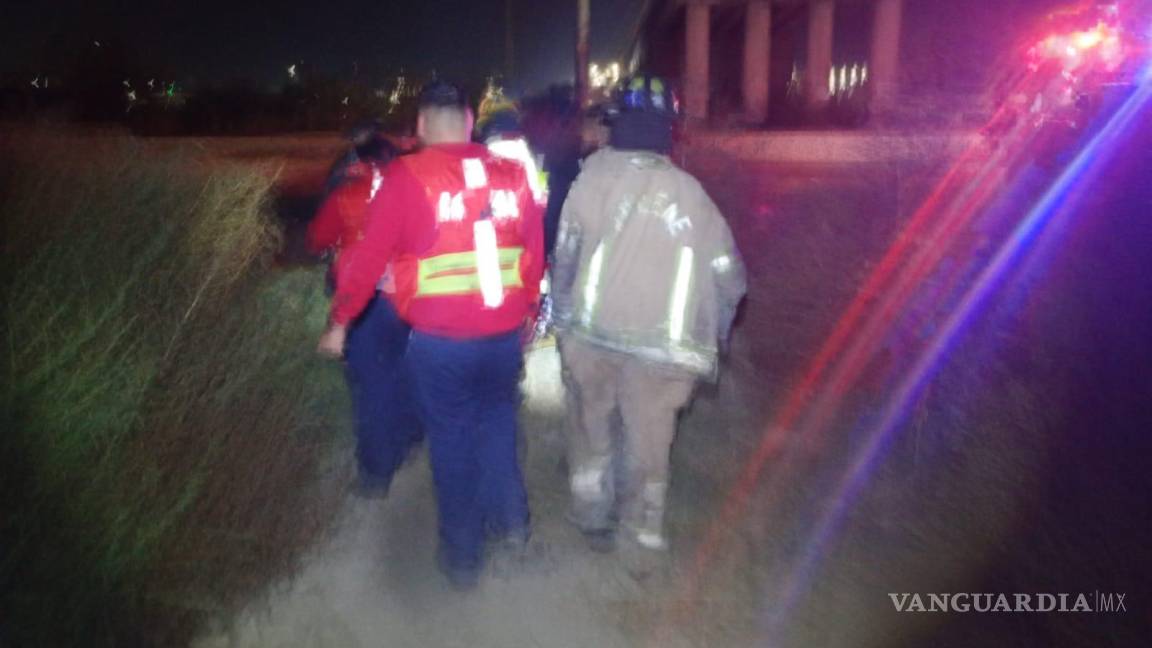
475	262
517	149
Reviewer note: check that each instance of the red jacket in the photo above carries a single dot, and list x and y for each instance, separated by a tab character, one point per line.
340	221
402	227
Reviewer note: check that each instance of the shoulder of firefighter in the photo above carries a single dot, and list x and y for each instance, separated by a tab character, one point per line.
645	263
340	220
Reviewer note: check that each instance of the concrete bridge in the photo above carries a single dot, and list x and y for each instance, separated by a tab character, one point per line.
696	50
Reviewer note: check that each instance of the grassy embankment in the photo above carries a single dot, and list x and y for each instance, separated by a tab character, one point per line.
167	442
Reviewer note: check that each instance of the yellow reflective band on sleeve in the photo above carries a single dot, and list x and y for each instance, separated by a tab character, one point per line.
455	274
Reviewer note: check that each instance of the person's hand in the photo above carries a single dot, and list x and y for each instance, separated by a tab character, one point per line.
332	342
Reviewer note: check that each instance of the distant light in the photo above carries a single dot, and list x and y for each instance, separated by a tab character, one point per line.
292	71
846	78
604	77
594	76
397	93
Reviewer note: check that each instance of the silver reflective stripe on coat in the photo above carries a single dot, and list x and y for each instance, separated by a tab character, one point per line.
676	311
488	263
592	284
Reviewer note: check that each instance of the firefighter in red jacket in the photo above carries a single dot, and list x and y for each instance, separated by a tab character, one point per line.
386	424
464	235
351	185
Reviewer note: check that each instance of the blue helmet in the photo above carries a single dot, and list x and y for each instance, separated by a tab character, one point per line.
648	94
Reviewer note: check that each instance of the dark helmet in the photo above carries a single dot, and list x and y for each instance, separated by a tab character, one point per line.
441	94
363	131
376	149
648	94
643	114
505	123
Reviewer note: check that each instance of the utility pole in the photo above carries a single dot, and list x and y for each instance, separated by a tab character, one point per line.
509	43
583	18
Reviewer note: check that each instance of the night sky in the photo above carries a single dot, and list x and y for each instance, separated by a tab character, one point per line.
219	40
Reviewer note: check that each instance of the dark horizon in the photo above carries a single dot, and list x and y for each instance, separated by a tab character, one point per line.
213	42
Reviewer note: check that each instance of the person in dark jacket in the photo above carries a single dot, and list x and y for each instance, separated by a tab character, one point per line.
387	427
366	142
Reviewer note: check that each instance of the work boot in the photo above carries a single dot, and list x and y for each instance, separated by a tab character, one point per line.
643	558
646	547
517	553
460	579
371	487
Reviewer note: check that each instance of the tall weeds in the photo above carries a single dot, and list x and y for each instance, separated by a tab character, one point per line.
164	422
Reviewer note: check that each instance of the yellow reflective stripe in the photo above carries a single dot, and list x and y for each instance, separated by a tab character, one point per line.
464	284
457	261
455	273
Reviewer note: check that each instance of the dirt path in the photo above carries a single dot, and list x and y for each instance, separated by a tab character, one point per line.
375	582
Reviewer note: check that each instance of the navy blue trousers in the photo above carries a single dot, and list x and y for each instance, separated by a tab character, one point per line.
469	393
387	425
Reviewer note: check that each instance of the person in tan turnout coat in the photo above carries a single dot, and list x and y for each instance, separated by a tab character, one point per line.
646	281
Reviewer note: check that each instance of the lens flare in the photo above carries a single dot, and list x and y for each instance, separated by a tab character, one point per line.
1041	220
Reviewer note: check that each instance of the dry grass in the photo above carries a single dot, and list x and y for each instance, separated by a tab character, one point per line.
163	412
